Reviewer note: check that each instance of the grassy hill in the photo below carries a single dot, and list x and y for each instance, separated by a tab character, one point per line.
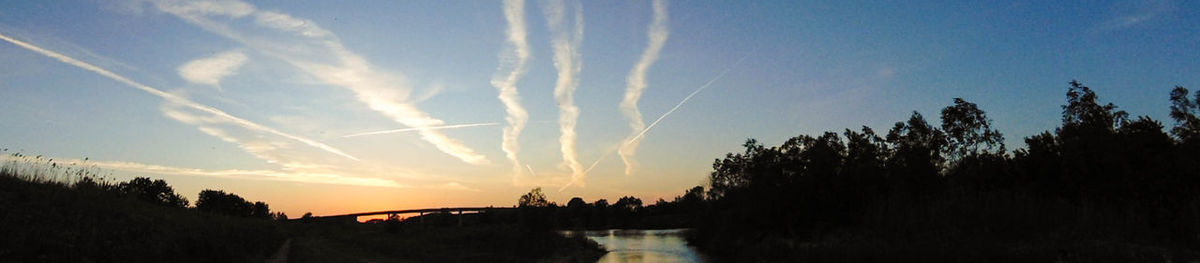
47	220
56	213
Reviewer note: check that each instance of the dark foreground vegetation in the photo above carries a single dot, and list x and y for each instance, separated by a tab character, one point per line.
1102	187
438	239
626	213
51	212
62	213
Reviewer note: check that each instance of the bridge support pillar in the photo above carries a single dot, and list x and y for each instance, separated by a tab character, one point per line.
460	218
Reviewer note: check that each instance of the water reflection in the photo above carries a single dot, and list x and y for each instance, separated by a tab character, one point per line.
667	245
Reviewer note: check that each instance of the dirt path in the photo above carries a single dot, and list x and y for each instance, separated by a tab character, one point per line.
281	255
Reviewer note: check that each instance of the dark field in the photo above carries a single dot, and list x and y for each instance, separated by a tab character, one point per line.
45	219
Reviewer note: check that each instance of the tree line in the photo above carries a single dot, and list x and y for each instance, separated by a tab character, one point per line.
158	192
1101	175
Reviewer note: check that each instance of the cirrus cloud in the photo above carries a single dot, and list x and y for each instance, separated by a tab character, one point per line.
321	55
210	70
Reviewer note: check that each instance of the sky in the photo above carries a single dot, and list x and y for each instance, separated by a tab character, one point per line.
322	107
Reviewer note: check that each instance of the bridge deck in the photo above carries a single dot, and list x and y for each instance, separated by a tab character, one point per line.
423	210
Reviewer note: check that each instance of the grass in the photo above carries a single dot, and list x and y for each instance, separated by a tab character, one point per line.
68	213
50	212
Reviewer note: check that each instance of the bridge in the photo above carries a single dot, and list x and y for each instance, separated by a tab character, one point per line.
421	212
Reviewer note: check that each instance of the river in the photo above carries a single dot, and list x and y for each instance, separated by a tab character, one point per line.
666	245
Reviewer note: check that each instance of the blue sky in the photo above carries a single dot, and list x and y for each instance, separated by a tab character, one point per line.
257	97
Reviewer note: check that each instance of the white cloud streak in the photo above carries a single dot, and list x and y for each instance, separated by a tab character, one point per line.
268	149
230	8
319	53
456	186
456	126
302	177
172	98
565	43
290	24
210	70
1133	13
512	61
636	84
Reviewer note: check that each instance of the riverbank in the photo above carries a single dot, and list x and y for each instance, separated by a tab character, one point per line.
945	247
994	227
333	242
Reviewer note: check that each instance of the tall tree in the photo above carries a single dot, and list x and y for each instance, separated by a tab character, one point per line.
260	210
1090	145
156	191
916	163
1185	111
1083	114
731	173
975	151
969	131
628	203
535	198
577	203
220	202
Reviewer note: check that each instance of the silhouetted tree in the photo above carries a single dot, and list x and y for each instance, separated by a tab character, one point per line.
732	173
1040	162
692	197
1184	111
600	214
1084	115
260	209
279	216
219	202
916	161
975	150
535	198
577	203
1098	176
577	211
156	191
1089	141
969	131
536	213
628	203
601	204
866	154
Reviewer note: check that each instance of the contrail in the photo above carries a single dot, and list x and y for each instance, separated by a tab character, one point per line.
530	170
171	97
567	61
421	129
689	96
636	83
514	63
321	54
593	166
660	118
602	156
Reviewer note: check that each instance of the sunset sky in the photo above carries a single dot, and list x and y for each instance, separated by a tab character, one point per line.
332	108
